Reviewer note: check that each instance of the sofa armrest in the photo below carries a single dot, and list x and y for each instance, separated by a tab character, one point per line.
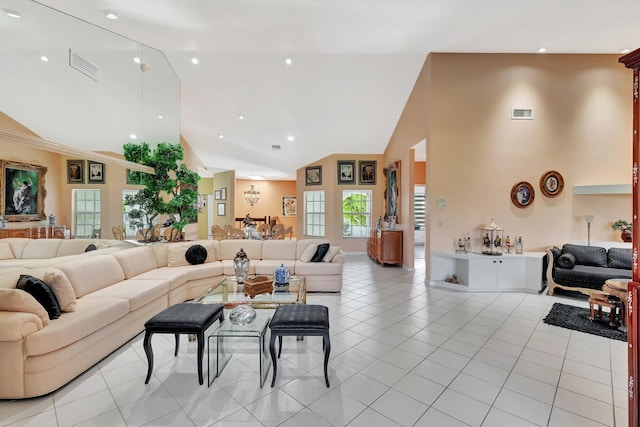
339	258
14	326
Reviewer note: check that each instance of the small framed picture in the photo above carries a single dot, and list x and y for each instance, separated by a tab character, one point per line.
551	184
216	195
75	171
96	172
313	175
367	172
289	206
346	172
221	209
522	194
223	193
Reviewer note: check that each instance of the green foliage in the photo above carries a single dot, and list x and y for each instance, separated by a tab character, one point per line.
171	191
622	225
355	203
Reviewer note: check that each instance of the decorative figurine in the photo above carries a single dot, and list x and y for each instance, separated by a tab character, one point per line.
241	265
460	249
467	245
52	220
507	244
486	241
492	240
519	245
379	223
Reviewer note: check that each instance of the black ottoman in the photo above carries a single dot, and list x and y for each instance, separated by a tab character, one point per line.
184	318
300	320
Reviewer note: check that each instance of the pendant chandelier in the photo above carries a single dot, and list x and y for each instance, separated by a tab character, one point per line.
251	196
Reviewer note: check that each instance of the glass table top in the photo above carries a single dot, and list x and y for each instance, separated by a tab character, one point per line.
229	292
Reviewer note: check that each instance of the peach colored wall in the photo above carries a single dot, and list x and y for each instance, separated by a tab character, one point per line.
270	203
333	198
476	153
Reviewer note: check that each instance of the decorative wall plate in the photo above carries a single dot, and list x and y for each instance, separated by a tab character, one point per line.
522	194
551	184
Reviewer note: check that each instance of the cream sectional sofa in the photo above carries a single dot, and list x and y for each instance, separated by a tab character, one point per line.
116	292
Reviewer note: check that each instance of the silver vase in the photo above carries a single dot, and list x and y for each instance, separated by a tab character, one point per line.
241	265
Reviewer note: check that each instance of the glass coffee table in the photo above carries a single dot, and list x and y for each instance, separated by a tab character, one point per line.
227	331
229	292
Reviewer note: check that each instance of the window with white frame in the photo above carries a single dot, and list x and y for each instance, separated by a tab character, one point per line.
356	213
314	207
86	212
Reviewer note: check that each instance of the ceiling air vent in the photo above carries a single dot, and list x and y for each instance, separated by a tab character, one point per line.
83	65
522	114
275	147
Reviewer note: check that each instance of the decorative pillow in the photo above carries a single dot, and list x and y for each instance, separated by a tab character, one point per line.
566	261
17	300
41	292
619	258
209	246
176	255
556	251
309	252
62	289
587	255
331	253
196	254
90	248
320	252
101	245
5	251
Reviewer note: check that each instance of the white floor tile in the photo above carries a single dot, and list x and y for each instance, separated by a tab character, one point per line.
499	418
363	388
461	407
531	387
399	407
562	418
524	407
337	407
433	417
476	388
368	418
585	406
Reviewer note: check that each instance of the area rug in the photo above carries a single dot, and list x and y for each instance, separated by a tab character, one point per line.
577	318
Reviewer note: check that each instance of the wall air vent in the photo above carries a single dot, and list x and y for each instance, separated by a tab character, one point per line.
522	114
275	147
83	65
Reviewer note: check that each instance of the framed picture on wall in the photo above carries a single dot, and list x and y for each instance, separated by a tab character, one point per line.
221	209
23	191
346	172
522	194
96	172
367	172
75	171
223	193
216	195
313	175
289	206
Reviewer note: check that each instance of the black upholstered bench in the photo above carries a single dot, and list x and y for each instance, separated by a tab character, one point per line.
185	318
300	320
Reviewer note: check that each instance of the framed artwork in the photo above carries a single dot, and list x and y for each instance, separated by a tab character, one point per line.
23	191
216	195
522	194
551	184
96	172
367	172
313	175
223	193
75	171
289	206
392	190
221	209
346	172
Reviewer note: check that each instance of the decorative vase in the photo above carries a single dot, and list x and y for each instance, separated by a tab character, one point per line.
241	265
281	275
242	315
626	236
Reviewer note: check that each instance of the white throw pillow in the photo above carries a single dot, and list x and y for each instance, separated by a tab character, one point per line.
332	252
5	251
176	254
62	289
209	246
17	300
309	252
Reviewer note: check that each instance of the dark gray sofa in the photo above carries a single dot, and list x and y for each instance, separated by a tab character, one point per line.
585	268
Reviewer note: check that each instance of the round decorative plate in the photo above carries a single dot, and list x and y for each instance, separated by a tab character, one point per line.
551	184
522	194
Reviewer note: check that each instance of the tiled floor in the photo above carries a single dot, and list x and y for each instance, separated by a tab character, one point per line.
402	354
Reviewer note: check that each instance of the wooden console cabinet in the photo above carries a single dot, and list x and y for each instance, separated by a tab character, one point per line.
385	247
34	232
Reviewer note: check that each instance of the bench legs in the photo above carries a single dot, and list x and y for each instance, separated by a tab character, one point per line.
149	352
326	347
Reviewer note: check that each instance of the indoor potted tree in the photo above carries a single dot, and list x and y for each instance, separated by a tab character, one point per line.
625	228
172	190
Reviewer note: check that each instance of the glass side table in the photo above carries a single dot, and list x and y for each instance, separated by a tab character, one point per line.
227	331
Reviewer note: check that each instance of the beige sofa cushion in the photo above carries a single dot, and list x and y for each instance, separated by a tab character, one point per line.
17	300
41	249
17	245
268	266
176	276
331	253
229	249
5	251
74	246
309	252
317	268
136	261
62	289
89	274
138	292
303	244
279	250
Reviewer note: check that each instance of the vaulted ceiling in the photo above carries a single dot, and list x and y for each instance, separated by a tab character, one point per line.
353	64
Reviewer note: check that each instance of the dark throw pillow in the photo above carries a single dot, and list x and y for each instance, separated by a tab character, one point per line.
196	254
320	252
90	248
42	293
566	261
557	252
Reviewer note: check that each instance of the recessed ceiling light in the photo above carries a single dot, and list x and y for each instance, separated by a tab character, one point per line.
256	177
133	136
220	136
160	116
194	60
288	61
137	60
110	14
44	59
12	13
290	138
240	117
542	50
623	51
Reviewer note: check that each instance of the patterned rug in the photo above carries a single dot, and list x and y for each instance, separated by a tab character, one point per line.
577	318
